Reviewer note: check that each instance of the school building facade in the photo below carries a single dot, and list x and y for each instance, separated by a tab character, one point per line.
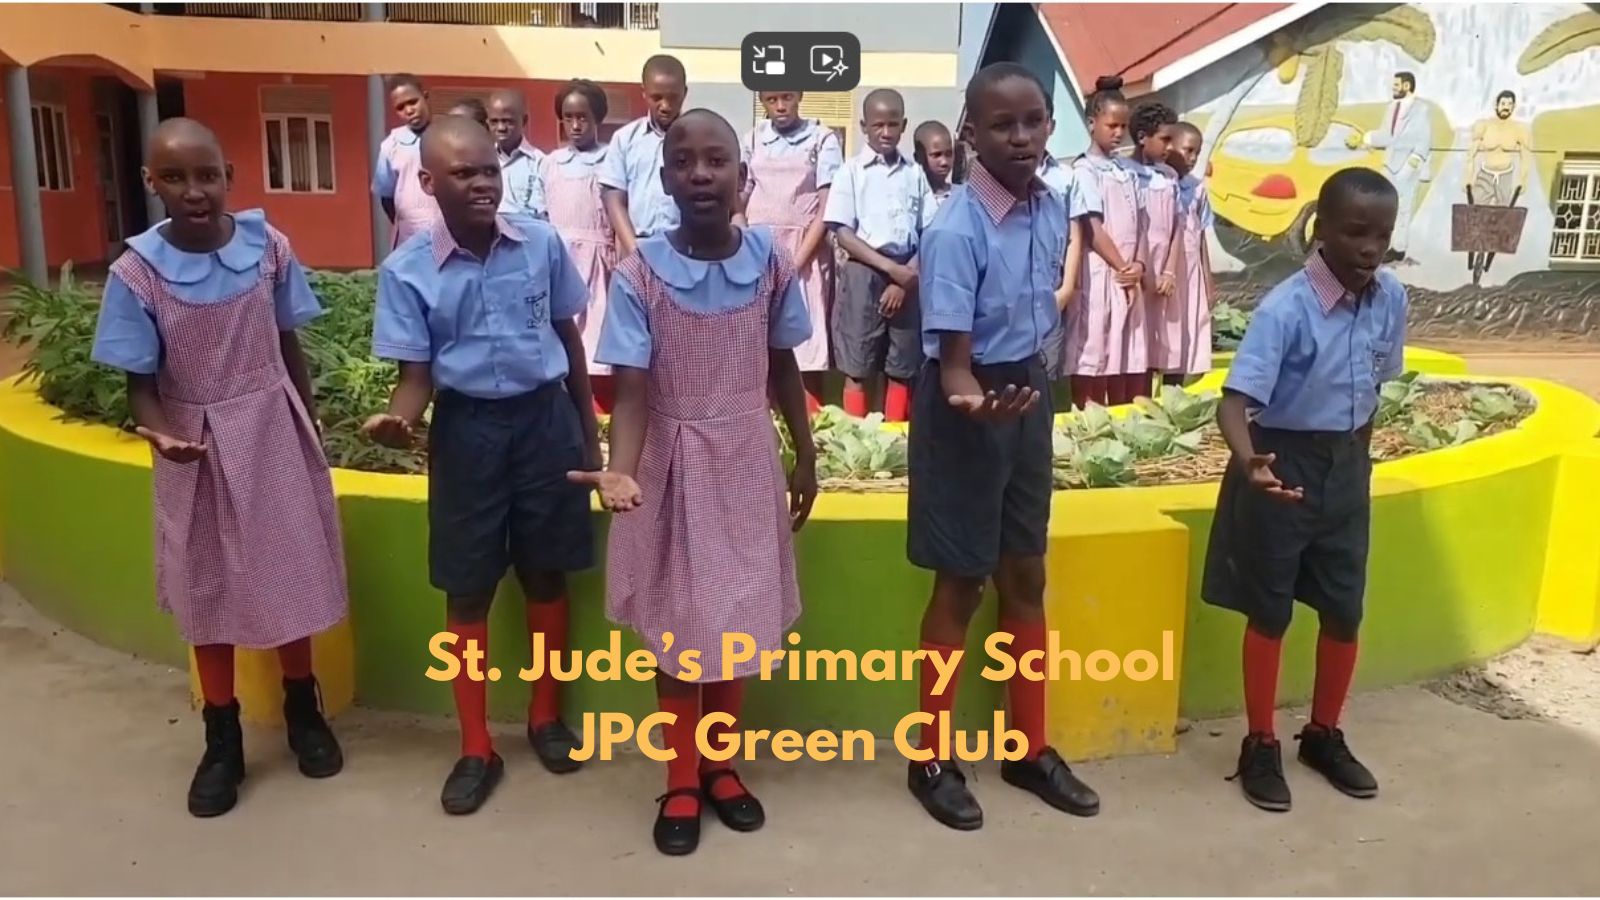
294	91
1485	116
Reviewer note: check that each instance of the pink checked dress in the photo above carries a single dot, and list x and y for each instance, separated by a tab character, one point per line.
247	538
1165	314
1194	219
414	208
1108	335
786	198
575	210
711	551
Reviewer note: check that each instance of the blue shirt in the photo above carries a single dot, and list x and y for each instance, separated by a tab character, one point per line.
384	177
990	267
486	326
1192	190
1314	355
1081	196
886	204
634	165
830	155
700	286
126	336
572	163
518	172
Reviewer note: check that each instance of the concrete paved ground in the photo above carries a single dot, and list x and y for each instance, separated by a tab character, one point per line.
98	750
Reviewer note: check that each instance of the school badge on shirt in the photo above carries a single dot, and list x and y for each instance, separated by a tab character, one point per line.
538	308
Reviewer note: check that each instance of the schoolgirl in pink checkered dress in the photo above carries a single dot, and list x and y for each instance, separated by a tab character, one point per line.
700	331
201	312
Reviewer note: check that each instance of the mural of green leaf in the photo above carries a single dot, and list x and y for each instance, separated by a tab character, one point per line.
1319	96
1407	28
1562	39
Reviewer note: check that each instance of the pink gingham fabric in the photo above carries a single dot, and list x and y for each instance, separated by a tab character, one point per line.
787	200
577	214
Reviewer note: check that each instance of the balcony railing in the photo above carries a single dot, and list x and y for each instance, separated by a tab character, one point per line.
626	16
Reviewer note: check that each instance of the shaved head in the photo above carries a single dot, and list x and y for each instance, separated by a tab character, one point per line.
173	133
703	121
462	171
449	135
509	100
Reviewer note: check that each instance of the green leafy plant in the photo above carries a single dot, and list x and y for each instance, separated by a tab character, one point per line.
860	449
1228	325
57	327
1105	463
1396	398
1492	405
1182	410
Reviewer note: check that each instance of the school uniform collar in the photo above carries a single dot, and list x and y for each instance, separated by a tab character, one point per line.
1048	162
650	126
871	157
993	196
525	148
743	268
1330	292
445	246
567	153
241	254
404	136
768	133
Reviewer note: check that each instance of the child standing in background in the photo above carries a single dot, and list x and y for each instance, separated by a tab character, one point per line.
791	163
701	330
1153	125
879	204
201	312
936	153
1081	200
471	108
394	176
519	159
631	170
1107	340
1190	352
567	192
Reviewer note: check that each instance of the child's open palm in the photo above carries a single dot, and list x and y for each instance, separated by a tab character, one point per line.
172	449
1259	468
390	431
997	406
618	492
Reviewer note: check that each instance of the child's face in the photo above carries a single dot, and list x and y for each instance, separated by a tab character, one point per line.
1185	152
783	108
701	172
462	172
1010	129
190	176
506	121
1355	236
939	157
884	124
1108	129
1155	147
577	118
411	105
664	94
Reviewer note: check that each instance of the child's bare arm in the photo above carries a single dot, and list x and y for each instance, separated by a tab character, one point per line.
816	233
862	252
1234	423
783	380
411	396
616	203
294	359
582	393
150	421
1073	265
618	491
1100	239
962	390
1205	270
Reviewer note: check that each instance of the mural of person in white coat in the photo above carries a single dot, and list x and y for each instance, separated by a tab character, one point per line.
1406	137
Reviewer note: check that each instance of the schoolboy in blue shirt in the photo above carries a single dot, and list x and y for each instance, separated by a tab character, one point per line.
980	442
482	309
1293	515
631	172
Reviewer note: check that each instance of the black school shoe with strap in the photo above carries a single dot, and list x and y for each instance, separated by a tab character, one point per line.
313	743
942	790
1325	750
215	788
553	742
740	813
1260	773
1050	779
678	835
470	783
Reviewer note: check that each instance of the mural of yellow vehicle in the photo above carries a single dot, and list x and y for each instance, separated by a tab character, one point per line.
1264	185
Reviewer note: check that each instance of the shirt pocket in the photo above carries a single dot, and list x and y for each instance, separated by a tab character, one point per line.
1382	354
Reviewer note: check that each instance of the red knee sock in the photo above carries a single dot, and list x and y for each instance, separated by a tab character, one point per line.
1025	695
855	400
294	658
813	403
1261	655
933	704
550	620
897	402
1336	664
214	663
472	696
683	771
724	697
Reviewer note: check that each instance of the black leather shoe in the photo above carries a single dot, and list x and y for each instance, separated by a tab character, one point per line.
470	783
741	813
942	790
1324	749
553	743
1050	779
1260	773
678	835
312	741
215	787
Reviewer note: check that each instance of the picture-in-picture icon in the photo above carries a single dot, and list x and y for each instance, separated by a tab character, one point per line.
768	60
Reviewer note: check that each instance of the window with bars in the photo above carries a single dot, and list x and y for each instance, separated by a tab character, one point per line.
1575	235
297	134
52	147
831	108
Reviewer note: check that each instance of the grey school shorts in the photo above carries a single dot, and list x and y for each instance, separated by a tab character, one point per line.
498	493
978	490
1265	553
864	342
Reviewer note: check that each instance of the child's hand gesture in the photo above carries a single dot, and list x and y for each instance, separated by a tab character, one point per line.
171	448
802	490
1166	284
1259	471
894	297
618	492
1063	298
389	430
997	407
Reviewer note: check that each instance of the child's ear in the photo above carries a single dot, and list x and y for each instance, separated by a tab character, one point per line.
744	176
148	180
227	174
426	180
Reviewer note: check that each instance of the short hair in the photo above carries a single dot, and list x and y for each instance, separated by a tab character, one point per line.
994	73
475	109
1505	95
663	64
698	114
1409	78
924	132
1346	183
403	79
594	93
883	95
1188	128
1149	118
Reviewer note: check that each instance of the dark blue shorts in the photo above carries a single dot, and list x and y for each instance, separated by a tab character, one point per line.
498	494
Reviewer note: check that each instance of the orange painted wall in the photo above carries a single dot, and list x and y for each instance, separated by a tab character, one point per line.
74	227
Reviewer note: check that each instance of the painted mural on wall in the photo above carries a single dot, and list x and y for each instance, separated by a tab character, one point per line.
1469	109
